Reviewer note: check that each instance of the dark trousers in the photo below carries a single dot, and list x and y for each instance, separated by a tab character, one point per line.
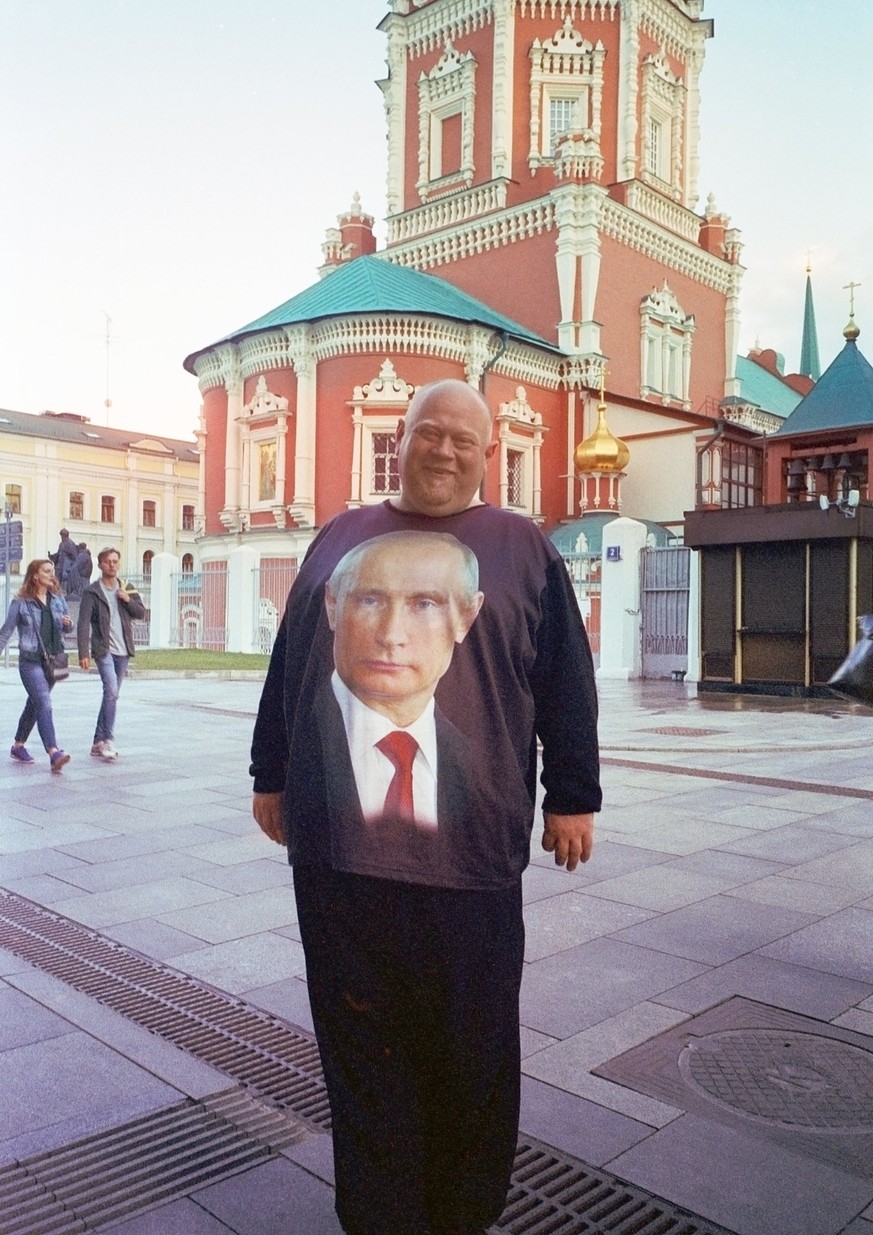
414	994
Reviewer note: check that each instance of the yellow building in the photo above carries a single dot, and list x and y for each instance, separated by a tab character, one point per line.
135	491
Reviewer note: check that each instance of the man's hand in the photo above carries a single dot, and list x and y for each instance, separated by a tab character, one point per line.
84	663
121	594
267	810
569	837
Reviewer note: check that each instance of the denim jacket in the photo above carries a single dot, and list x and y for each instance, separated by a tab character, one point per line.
24	615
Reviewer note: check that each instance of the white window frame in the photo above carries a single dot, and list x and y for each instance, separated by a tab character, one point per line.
257	439
666	338
520	430
566	66
663	106
377	406
449	89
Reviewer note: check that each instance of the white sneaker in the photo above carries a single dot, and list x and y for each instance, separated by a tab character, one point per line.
97	750
108	752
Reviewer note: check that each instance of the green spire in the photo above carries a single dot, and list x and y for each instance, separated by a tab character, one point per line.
809	362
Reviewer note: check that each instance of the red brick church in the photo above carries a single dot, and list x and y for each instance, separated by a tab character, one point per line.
544	236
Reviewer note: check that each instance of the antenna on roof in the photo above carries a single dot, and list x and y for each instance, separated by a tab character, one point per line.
107	402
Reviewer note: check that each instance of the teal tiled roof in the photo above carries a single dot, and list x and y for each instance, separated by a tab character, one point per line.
372	285
842	397
763	388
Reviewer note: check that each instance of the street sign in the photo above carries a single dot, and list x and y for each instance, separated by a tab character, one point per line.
11	542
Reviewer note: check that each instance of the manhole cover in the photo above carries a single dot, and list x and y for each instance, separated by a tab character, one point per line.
793	1080
804	1084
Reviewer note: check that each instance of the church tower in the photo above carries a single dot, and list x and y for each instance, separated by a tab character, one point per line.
543	156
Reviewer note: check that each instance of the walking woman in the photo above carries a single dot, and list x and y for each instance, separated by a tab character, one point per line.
39	614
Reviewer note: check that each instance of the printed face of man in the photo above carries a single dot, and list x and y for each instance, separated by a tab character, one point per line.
443	447
396	624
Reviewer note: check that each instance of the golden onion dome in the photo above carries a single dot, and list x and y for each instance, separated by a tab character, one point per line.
602	451
851	331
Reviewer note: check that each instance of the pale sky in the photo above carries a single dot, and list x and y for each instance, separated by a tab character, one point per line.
173	165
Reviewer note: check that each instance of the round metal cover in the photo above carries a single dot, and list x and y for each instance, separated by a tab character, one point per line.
794	1080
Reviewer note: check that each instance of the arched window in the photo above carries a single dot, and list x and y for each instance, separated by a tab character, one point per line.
188	564
147	563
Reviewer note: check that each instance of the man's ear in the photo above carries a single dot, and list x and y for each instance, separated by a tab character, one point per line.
467	616
330	607
399	431
489	451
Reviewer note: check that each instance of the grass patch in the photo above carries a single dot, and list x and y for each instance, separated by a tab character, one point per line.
184	660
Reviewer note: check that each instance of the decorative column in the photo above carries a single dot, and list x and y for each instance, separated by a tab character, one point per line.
201	436
233	384
393	89
302	508
628	90
503	89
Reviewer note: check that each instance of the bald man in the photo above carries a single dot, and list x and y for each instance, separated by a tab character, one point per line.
414	966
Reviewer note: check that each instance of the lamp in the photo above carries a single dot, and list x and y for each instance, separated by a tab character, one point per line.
848	504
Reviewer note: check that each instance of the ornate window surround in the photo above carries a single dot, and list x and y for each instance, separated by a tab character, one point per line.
521	429
376	408
264	419
449	89
566	66
666	335
663	103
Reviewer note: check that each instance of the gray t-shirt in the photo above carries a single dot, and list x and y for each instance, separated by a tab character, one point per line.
117	646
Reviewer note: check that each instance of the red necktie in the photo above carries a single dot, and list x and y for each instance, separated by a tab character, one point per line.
401	749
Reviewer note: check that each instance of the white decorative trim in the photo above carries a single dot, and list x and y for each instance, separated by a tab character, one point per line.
663	104
393	89
264	405
670	251
628	96
666	334
521	429
581	9
449	89
436	23
661	210
503	89
447	211
376	408
566	66
669	28
505	227
750	416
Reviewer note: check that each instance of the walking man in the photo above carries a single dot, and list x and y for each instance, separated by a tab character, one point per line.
413	934
106	615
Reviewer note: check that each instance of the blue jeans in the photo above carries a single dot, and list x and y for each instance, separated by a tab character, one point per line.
112	670
38	709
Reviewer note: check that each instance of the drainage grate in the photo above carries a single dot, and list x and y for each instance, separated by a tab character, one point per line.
264	1054
552	1194
146	1162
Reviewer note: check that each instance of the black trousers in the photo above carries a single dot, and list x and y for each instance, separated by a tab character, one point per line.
414	995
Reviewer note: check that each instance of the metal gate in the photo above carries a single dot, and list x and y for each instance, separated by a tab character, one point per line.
664	583
584	572
199	603
273	581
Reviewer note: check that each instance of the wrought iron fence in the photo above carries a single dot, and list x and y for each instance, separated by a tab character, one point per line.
584	572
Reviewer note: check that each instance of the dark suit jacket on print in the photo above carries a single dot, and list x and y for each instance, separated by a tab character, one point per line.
396	848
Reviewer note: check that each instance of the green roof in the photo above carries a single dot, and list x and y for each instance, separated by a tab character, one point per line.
763	388
373	285
842	397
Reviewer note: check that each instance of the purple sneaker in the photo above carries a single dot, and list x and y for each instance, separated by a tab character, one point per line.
58	760
21	754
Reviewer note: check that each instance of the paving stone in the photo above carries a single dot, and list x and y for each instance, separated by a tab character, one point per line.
153	939
768	980
561	922
23	1020
578	1127
236	917
713	931
744	1182
791	844
841	944
820	899
288	999
130	903
244	964
278	1196
567	992
183	1217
